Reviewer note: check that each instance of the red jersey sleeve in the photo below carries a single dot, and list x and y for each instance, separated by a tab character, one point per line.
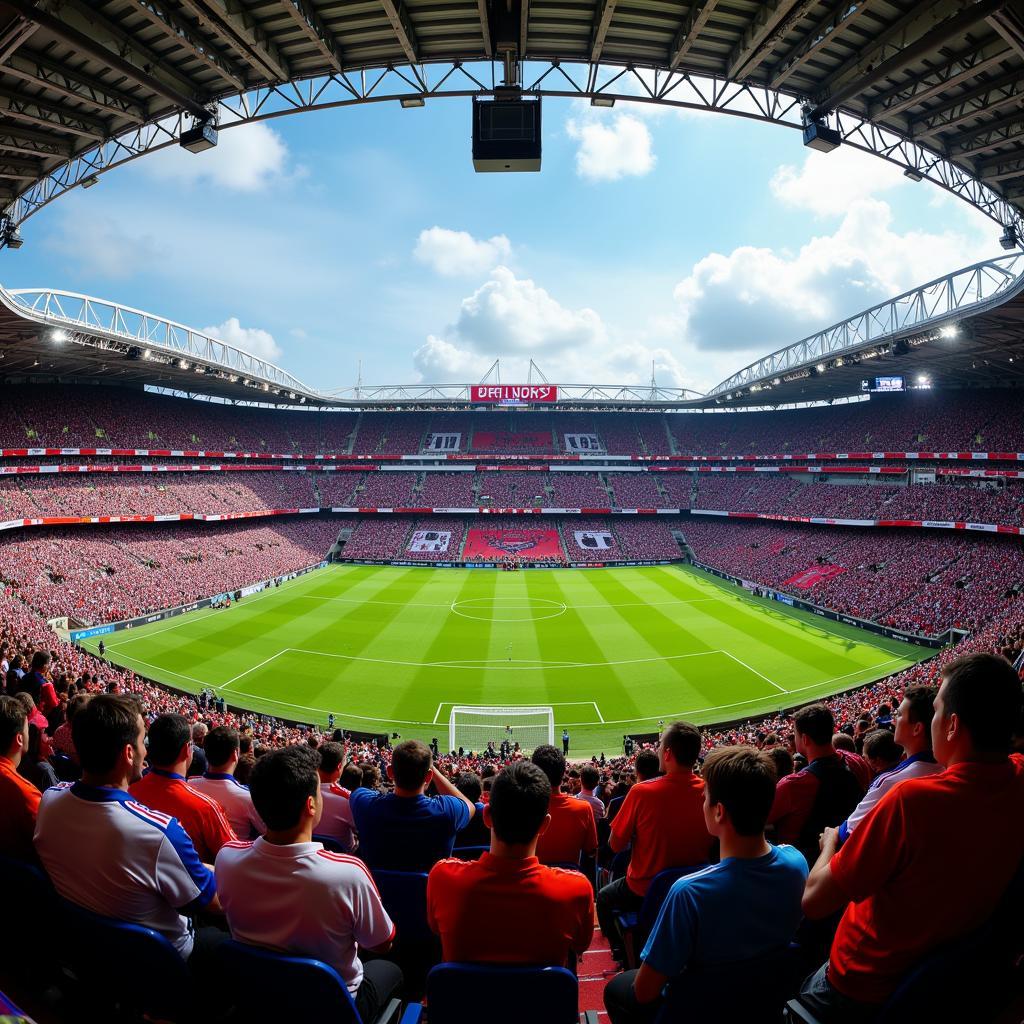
875	850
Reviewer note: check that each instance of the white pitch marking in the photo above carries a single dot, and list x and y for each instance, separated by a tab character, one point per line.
224	686
750	668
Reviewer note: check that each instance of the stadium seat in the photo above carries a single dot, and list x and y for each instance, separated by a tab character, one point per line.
965	980
416	948
758	989
270	986
635	926
31	901
92	944
329	844
504	995
469	852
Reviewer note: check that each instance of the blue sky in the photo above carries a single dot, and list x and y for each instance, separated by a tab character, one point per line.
695	241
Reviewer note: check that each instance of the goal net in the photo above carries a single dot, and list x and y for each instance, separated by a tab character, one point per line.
473	727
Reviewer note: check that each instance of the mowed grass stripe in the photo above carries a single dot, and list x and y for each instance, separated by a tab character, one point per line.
568	637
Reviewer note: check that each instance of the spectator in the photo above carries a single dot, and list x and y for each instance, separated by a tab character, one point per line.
507	907
406	830
219	783
164	789
286	892
336	820
914	736
113	856
19	799
573	831
663	819
822	794
746	906
939	851
34	764
881	751
63	743
476	833
198	761
589	779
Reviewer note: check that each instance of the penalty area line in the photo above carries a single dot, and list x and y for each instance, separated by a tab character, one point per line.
750	668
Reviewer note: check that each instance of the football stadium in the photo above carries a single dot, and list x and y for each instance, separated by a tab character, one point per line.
492	690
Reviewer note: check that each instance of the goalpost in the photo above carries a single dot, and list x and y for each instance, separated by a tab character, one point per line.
473	727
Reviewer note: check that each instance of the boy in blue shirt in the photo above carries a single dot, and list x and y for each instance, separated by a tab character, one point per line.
746	906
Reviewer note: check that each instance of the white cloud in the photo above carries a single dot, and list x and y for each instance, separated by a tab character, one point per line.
827	183
245	159
761	299
608	152
253	340
515	319
458	253
114	250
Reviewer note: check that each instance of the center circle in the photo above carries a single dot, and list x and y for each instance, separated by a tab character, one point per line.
508	609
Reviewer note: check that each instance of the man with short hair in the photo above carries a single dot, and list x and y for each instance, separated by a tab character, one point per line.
507	907
199	763
286	892
663	819
407	830
939	851
881	751
572	832
476	833
223	746
163	788
822	794
746	906
19	799
110	854
589	779
336	821
914	734
647	765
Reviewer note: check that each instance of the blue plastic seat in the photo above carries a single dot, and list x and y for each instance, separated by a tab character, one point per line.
416	948
31	901
502	995
93	943
636	925
269	986
329	844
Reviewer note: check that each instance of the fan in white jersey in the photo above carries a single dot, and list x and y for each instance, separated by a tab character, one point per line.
219	782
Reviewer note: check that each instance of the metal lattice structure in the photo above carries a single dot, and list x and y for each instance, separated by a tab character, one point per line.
934	86
926	313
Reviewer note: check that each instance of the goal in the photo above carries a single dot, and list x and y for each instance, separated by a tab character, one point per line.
473	727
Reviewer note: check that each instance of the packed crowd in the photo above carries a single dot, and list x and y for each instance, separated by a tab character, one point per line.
924	582
112	418
794	849
103	574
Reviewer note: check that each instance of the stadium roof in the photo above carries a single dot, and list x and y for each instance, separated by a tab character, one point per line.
933	85
963	330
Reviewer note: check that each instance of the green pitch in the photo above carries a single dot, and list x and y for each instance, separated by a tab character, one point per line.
611	650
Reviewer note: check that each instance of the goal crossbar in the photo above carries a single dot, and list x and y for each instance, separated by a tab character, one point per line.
473	726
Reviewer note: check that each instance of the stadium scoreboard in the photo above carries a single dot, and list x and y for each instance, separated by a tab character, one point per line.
882	384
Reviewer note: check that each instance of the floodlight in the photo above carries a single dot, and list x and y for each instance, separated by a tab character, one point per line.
602	101
1008	239
10	235
93	179
409	102
58	335
818	135
913	174
821	367
200	137
949	331
923	379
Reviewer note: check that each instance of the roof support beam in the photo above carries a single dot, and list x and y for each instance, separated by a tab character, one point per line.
963	68
84	28
988	97
984	137
1009	23
841	17
311	25
17	32
524	27
57	77
20	169
485	27
237	29
690	31
178	29
1002	168
759	39
602	22
924	28
399	18
17	139
50	115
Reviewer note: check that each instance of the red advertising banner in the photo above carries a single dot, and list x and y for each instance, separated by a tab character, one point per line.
484	545
813	576
513	394
484	440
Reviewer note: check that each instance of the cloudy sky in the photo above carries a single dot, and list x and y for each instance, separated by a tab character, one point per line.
694	242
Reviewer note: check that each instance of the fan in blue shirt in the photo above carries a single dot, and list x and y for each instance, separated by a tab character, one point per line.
741	909
407	830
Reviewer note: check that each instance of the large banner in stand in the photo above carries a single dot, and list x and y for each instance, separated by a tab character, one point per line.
594	540
583	443
430	540
442	442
